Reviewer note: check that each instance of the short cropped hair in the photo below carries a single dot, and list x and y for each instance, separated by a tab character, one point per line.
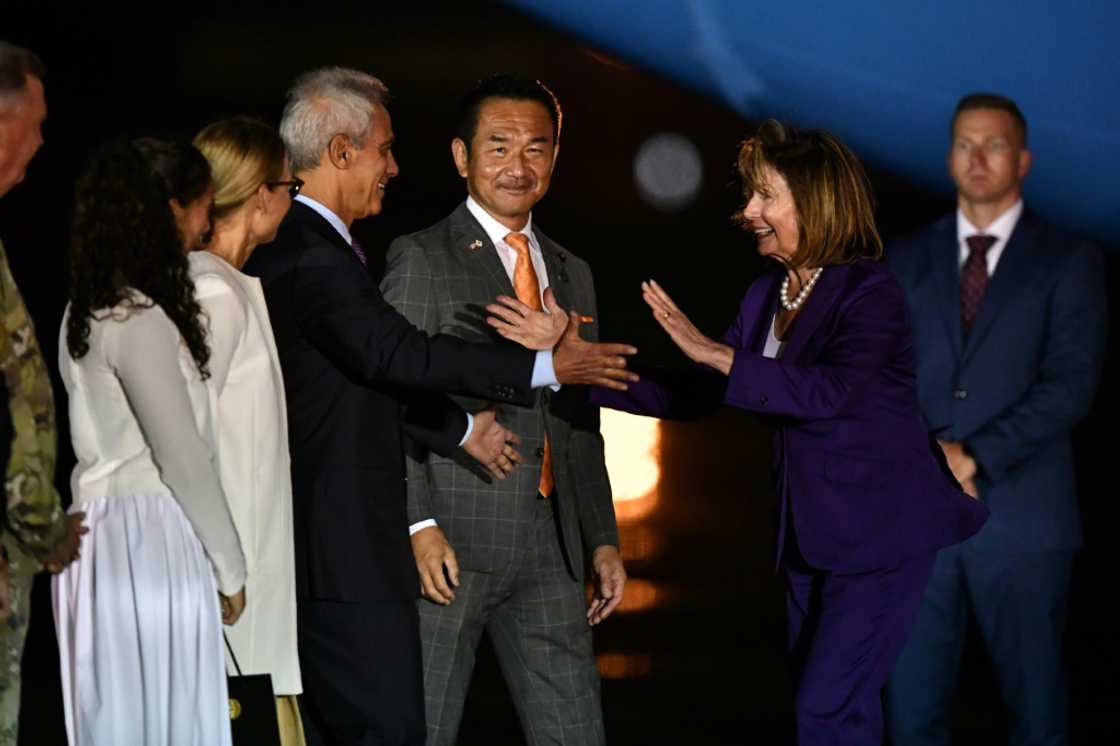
990	101
16	63
327	102
835	209
243	154
509	87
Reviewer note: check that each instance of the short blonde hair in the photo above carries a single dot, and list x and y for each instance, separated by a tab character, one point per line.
835	210
243	154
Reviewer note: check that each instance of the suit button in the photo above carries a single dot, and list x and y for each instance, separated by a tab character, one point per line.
764	401
540	453
960	394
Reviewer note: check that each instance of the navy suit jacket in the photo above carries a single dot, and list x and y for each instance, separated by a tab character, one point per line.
855	468
346	356
1026	374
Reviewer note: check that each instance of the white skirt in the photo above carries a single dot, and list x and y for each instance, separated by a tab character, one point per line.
139	631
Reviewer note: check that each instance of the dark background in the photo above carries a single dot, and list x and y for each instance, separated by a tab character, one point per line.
705	664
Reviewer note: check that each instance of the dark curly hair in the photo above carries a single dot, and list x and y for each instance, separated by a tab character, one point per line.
125	238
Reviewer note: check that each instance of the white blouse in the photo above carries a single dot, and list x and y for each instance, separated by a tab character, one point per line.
773	346
249	435
137	414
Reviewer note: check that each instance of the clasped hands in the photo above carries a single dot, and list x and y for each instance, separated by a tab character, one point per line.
574	360
962	465
577	361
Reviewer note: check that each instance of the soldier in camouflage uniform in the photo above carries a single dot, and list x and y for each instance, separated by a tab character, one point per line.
36	533
36	522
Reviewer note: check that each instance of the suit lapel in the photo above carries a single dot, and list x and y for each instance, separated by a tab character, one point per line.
945	260
1012	273
316	222
469	240
826	293
555	263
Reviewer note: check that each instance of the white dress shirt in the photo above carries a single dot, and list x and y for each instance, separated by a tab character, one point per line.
1001	229
327	214
497	234
773	346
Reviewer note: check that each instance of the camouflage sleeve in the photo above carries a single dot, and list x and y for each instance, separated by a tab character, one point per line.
6	435
35	521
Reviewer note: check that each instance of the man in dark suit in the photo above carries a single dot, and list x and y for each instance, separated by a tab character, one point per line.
1009	326
346	356
508	559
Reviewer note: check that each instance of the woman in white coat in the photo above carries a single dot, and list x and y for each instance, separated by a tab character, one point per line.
253	190
137	615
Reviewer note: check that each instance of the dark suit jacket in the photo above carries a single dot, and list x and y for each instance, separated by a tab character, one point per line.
437	280
1026	375
344	352
856	471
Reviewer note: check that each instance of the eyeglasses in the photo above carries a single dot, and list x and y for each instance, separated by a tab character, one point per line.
294	185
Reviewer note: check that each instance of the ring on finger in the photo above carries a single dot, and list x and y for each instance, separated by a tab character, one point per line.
665	314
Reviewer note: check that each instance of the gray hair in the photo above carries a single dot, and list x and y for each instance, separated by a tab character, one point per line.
16	63
327	102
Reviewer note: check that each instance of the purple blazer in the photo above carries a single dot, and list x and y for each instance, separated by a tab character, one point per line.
855	469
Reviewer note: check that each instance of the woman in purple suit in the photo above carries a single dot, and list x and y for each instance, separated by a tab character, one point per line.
822	347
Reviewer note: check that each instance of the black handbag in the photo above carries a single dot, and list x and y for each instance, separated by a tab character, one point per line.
252	707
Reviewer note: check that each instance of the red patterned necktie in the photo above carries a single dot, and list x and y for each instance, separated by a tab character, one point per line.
974	278
528	290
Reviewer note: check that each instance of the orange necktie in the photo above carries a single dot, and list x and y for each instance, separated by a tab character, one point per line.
528	290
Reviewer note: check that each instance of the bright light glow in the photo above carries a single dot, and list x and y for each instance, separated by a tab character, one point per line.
632	453
638	542
623	665
668	171
640	595
632	511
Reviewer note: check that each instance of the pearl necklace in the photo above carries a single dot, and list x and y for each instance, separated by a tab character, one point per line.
793	305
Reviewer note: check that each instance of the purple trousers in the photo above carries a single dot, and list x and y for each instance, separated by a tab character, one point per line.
845	633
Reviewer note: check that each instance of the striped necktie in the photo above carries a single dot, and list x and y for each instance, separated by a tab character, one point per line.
358	251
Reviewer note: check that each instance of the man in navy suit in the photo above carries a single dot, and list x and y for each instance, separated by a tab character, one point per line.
348	360
1009	326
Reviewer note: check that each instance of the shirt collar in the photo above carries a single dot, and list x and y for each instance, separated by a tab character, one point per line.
495	230
328	215
1001	227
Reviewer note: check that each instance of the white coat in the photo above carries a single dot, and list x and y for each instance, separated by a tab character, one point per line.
249	427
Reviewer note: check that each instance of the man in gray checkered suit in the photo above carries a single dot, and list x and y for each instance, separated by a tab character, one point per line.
507	557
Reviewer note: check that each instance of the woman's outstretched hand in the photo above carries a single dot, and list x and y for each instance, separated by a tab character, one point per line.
682	331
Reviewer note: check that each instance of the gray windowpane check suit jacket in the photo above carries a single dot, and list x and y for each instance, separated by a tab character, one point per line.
441	279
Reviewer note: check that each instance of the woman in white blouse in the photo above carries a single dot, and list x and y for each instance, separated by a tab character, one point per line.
137	616
253	189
